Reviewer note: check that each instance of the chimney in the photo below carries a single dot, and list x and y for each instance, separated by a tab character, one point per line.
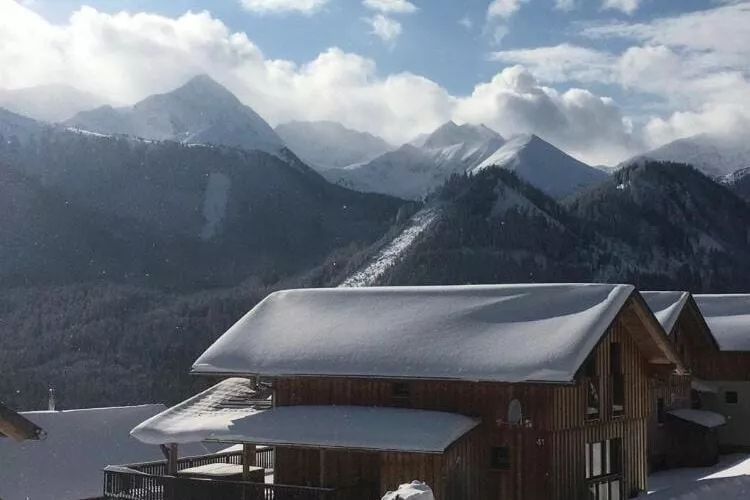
51	400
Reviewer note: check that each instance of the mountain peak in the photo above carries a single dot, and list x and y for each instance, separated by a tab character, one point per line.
203	86
449	134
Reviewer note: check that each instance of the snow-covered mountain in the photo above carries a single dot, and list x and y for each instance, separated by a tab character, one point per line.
50	103
417	168
15	127
713	155
199	112
324	144
543	165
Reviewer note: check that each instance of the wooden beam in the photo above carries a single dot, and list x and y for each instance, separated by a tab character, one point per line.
17	426
322	468
172	459
248	460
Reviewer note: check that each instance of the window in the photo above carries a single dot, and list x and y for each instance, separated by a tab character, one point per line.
660	415
603	468
695	400
603	458
401	390
618	381
500	458
730	397
592	386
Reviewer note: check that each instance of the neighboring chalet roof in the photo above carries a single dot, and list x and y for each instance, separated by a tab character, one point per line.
68	463
350	427
501	333
666	306
708	419
16	426
728	317
208	414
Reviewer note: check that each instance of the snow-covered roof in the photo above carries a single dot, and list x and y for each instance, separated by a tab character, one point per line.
416	490
502	333
351	427
202	417
68	463
728	317
666	306
703	418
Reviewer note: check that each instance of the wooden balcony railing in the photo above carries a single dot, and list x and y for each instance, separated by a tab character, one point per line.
264	457
122	483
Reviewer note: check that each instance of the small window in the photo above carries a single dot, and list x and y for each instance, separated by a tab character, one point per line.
401	390
660	414
731	397
500	458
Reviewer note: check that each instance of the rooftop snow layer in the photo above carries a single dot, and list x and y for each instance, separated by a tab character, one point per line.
666	306
353	427
501	333
68	464
204	416
703	418
728	317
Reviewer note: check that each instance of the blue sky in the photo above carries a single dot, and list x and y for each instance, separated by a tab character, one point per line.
432	43
602	79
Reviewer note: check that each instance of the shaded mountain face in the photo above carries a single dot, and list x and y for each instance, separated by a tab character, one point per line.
544	166
50	103
324	145
654	225
416	169
738	182
195	216
199	112
713	155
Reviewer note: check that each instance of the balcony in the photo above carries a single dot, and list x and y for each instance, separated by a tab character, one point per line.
149	481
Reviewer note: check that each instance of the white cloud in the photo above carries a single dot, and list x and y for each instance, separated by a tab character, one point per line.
498	32
566	5
128	56
561	63
626	6
466	22
504	8
391	6
282	6
384	27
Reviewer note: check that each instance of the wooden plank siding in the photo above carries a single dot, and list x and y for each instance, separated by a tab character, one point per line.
547	450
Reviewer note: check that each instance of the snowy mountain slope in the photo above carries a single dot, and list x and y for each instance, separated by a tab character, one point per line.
713	155
414	170
543	165
324	145
17	127
50	103
388	256
199	112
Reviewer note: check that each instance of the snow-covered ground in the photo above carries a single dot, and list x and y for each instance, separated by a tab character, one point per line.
729	479
388	256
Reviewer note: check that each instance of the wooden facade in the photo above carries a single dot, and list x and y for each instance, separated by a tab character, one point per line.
547	455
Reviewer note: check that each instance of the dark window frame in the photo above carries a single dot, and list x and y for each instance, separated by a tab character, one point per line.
401	390
617	379
593	390
500	458
731	397
661	411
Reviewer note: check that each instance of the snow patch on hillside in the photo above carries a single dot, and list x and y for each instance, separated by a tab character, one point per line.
390	254
215	203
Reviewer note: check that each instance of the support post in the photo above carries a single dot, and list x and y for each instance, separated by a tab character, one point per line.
172	459
323	474
248	460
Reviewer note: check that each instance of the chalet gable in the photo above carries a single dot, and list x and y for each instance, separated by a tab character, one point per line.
679	309
493	333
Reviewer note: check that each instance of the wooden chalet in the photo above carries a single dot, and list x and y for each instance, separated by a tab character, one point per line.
680	432
484	392
727	369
